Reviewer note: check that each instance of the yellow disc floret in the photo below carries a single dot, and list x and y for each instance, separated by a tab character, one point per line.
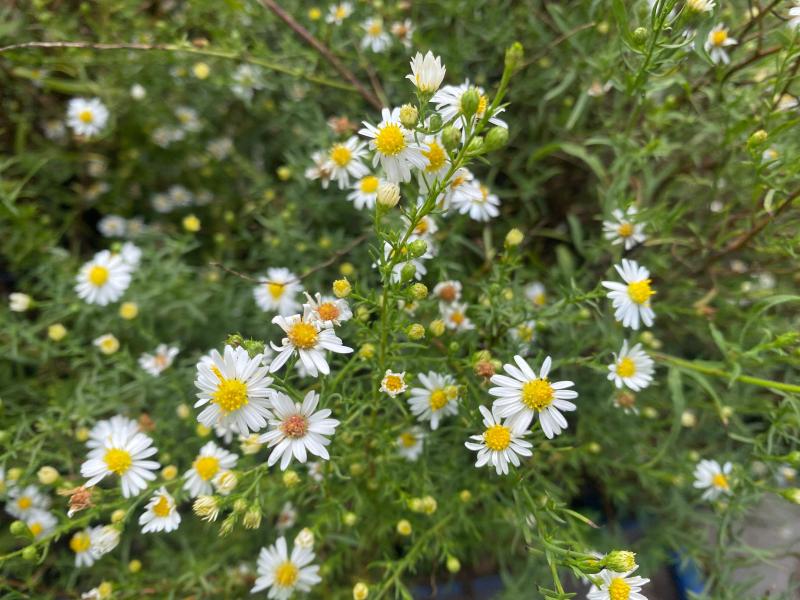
341	155
720	481
390	140
206	467
408	439
718	37
436	157
626	367
537	394
98	275
302	335
24	502
497	437
86	116
639	291
80	542
286	574
231	394
118	460
369	184
328	311
275	289
625	230
161	508
438	399
619	590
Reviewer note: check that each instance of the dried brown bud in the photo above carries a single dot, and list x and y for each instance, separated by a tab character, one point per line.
80	498
484	368
146	423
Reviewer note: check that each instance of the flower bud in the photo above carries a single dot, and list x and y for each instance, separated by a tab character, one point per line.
416	331
284	173
366	351
408	271
360	591
757	138
514	55
475	145
496	138
429	505
514	238
18	302
18	528
436	327
465	496
417	248
404	527
435	122
469	102
252	518
135	566
418	291
305	539
253	347
227	525
350	519
191	223
791	494
225	481
640	35
453	564
451	137
408	116
30	553
56	332
620	561
47	475
206	507
388	194
118	516
291	478
341	288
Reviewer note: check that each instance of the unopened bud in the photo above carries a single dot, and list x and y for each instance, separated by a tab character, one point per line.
514	55
640	35
475	145
435	122
469	102
757	138
360	591
417	248
341	288
416	331
409	115
453	564
47	475
514	238
496	138
388	194
436	327
451	137
620	561
418	291
408	271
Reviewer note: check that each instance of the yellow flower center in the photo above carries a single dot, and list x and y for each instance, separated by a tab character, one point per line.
340	154
369	184
328	311
720	481
626	367
484	193
286	574
161	508
118	460
457	181
619	590
393	383
390	140
639	291
483	101
80	542
525	333
275	290
206	467
231	394
161	360
497	437
86	116
718	37
537	394
35	528
24	502
457	317
375	28
540	299
341	12
438	399
302	335
408	440
436	157
422	227
295	426
98	275
625	230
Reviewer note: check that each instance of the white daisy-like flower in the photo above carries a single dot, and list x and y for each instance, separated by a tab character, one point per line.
124	455
448	104
236	389
112	226
86	117
393	383
365	192
403	31
624	229
631	300
161	513
481	205
180	196
410	443
24	501
501	443
306	338
131	255
447	291
210	461
247	79
716	42
794	16
524	335
345	161
375	37
298	430
320	169
283	574
523	395
220	148
436	161
632	368
337	13
459	191
617	586
188	118
427	72
102	430
286	518
279	295
160	360
103	279
40	523
437	398
82	544
455	316
107	343
328	311
713	478
536	293
394	146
